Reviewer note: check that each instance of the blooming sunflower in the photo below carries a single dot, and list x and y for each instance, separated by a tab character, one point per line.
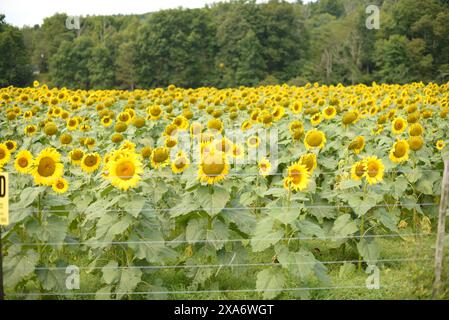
215	125
253	141
416	143
237	152
5	155
309	161
314	139
298	177
90	162
106	121
357	144
399	152
60	185
76	155
180	163
374	170
416	129
316	119
23	162
11	145
264	167
329	112
213	167
358	170
30	130
160	157
124	172
398	125
440	145
47	167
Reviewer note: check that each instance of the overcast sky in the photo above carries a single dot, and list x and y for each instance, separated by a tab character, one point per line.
31	12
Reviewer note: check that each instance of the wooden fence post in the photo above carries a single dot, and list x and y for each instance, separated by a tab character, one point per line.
441	230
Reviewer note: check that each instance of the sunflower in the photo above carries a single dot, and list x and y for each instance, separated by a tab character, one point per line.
416	143
23	162
296	107
124	172
246	125
195	129
399	152
329	112
11	145
357	144
124	117
278	113
377	130
253	142
154	112
237	152
72	124
90	162
374	170
314	139
398	125
60	185
5	155
440	145
264	167
416	129
309	161
30	130
47	167
295	125
180	163
298	177
170	142
106	121
76	155
358	170
316	119
160	157
213	167
215	125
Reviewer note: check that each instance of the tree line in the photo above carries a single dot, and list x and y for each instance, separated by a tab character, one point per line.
236	43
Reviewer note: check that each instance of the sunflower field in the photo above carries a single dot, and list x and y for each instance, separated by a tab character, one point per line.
156	191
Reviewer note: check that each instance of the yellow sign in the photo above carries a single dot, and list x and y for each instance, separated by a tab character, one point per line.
4	199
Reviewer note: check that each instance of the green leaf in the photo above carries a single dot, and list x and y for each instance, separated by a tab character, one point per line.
346	270
129	279
361	202
18	265
348	184
369	250
388	219
243	219
196	229
52	229
27	197
134	206
301	263
308	228
264	236
271	282
213	199
111	273
285	215
399	187
344	226
218	232
187	205
153	248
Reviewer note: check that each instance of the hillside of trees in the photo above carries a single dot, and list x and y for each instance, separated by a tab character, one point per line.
235	43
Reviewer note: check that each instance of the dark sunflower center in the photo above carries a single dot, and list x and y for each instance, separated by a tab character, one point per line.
23	162
90	161
160	156
373	169
400	150
314	139
46	167
125	170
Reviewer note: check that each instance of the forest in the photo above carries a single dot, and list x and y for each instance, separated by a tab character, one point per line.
231	44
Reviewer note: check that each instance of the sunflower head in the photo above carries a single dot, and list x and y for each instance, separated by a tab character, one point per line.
309	161
213	167
374	170
415	142
398	125
264	167
90	162
4	154
440	145
47	167
314	139
60	185
298	177
180	163
124	171
357	144
23	162
160	157
76	155
399	152
358	170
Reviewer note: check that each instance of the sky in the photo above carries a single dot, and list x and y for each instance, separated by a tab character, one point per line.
31	12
